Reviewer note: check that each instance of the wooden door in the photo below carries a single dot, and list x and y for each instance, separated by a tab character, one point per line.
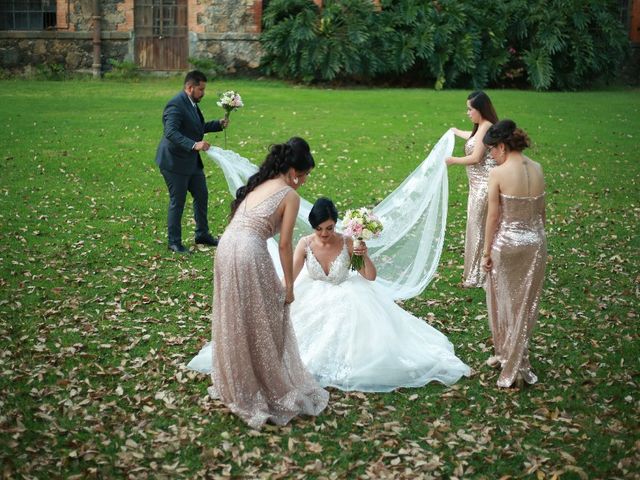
161	40
634	27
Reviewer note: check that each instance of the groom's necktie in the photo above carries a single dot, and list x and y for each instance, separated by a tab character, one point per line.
199	114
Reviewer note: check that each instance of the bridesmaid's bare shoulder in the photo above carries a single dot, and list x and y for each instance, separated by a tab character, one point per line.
535	164
292	198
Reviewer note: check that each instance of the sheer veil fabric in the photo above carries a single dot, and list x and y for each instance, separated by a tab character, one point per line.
414	216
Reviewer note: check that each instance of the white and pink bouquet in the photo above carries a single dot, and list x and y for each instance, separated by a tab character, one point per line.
229	101
360	224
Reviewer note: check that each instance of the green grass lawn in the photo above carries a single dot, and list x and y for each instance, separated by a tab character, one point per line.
97	319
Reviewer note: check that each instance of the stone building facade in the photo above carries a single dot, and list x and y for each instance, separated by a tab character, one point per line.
157	35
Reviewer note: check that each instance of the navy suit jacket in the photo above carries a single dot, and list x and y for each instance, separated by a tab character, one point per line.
184	125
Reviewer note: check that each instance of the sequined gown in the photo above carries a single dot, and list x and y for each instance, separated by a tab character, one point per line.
353	336
254	361
514	285
478	175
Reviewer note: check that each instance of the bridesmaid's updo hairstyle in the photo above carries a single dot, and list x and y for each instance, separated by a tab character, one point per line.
481	102
507	132
295	154
323	209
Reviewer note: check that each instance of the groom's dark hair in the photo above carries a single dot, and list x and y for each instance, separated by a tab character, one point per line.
195	77
323	209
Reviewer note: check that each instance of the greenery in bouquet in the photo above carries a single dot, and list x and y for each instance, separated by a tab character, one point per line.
361	225
229	101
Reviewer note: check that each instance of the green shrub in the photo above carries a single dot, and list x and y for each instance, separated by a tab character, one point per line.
50	71
288	38
208	66
122	69
308	44
557	44
569	44
454	43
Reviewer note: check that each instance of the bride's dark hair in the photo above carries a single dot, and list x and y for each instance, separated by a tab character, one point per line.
281	157
481	102
323	209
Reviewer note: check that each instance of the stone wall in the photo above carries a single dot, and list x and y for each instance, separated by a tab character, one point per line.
19	55
236	52
21	52
227	31
70	45
237	16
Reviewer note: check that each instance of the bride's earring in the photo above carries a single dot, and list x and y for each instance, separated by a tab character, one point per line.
295	180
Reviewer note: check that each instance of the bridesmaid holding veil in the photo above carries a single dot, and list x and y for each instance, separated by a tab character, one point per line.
255	365
515	251
479	162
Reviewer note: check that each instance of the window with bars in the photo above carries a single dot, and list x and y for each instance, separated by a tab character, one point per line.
161	18
27	14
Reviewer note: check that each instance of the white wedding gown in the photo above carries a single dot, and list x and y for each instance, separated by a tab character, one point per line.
350	332
353	336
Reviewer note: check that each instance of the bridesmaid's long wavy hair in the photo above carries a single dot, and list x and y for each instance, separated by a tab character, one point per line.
481	102
295	153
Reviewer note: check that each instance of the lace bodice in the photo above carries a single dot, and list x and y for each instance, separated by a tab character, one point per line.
338	270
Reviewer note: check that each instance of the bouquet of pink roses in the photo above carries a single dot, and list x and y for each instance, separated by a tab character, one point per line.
229	101
360	224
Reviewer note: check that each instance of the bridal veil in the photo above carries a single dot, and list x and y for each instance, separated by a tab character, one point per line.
414	215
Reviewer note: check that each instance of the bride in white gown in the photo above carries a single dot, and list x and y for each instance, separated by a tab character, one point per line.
355	319
350	332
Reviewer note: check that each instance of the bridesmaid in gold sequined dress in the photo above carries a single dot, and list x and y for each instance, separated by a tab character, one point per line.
478	162
515	251
257	371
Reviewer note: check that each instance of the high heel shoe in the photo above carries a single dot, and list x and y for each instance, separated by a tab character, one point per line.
493	362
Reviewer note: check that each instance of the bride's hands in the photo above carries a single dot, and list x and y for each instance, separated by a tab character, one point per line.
360	249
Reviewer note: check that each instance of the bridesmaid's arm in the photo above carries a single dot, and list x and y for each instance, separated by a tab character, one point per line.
464	134
285	248
478	149
544	204
493	212
298	258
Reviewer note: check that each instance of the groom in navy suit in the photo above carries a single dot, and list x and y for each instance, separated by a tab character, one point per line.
178	157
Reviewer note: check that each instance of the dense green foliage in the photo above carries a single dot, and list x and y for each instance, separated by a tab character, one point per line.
562	44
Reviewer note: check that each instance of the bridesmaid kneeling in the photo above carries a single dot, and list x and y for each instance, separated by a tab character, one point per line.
515	251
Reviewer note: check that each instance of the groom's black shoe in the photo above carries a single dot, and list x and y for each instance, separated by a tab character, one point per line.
178	248
207	240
